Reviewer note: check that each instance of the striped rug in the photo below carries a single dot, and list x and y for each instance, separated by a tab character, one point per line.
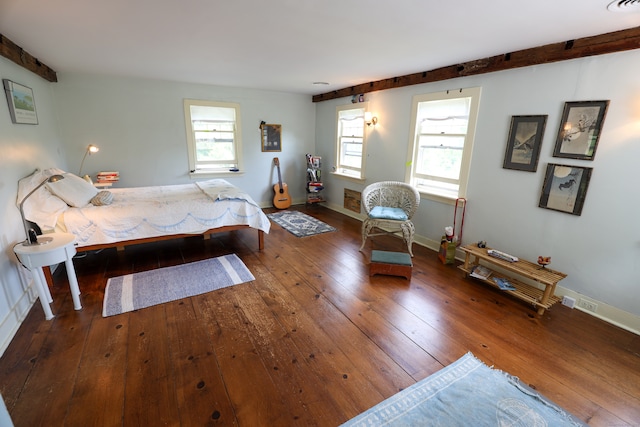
147	288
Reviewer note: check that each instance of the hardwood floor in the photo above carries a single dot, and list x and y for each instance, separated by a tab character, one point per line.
313	341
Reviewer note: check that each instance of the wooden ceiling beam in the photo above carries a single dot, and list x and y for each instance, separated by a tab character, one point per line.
588	46
15	53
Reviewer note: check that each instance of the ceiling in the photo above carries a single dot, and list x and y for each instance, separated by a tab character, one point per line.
287	45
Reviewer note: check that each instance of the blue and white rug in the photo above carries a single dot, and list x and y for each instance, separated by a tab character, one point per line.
300	224
466	393
147	288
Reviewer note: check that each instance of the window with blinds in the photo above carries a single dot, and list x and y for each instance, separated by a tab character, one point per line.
213	136
350	141
440	150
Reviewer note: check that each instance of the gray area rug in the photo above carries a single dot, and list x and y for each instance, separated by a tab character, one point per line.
466	393
147	288
300	224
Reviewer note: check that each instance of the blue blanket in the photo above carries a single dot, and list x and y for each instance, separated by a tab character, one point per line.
466	393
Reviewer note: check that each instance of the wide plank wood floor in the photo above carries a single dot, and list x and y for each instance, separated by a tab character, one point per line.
313	341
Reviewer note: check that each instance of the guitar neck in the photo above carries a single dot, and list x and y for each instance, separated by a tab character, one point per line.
277	162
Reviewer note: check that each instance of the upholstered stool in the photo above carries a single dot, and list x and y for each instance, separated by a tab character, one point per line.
391	264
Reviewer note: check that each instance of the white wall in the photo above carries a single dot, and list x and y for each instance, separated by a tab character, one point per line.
139	126
599	250
23	148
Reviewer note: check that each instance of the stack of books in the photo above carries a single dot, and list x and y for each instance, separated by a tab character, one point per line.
108	177
315	187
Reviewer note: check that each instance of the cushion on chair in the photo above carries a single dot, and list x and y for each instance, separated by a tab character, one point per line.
383	212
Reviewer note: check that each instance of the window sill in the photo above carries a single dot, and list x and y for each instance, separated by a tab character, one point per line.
348	177
222	174
445	199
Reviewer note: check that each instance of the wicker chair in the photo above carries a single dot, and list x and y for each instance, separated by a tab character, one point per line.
390	205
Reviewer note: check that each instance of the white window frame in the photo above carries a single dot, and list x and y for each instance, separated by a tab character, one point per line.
349	171
412	176
204	169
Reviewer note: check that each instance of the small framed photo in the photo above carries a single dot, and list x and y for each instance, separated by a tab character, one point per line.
271	137
22	106
524	142
580	129
565	188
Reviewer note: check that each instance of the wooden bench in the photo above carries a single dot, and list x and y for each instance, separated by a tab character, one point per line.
541	299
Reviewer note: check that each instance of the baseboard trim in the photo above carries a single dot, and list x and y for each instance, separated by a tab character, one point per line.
11	323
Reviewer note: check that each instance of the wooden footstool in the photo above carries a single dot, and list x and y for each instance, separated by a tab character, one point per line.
391	264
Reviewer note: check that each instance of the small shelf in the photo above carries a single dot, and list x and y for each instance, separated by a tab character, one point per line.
314	184
542	299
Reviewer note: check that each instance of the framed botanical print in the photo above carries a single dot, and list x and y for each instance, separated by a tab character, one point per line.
524	142
565	188
580	129
271	137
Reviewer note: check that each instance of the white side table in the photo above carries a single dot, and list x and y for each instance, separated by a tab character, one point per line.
102	184
60	249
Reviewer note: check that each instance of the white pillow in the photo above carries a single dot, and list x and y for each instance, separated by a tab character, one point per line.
41	207
74	190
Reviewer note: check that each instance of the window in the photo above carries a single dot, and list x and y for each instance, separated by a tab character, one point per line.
440	151
350	141
213	136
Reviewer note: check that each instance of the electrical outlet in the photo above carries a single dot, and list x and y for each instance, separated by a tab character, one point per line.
568	301
588	305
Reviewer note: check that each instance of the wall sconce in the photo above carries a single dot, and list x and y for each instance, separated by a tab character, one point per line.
32	238
370	119
90	149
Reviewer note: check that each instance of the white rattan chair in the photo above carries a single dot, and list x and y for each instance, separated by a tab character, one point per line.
390	205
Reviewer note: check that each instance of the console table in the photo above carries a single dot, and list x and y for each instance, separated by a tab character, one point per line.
61	248
542	299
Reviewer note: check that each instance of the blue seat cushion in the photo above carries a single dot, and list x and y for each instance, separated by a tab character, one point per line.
386	257
383	212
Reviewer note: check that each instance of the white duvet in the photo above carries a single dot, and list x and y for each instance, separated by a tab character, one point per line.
143	212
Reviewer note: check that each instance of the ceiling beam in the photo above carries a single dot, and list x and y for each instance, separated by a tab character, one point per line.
588	46
12	51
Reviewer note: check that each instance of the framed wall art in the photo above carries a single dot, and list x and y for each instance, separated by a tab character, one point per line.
524	142
580	129
22	106
565	188
271	137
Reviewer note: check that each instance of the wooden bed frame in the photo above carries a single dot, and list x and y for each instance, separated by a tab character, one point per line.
121	245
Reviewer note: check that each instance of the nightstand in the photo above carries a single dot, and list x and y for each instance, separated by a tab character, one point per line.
61	248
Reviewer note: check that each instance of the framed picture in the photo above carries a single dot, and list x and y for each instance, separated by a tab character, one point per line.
271	137
22	106
580	129
565	188
524	142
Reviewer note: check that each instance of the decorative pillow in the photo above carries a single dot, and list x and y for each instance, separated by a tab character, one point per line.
383	212
74	190
103	197
41	207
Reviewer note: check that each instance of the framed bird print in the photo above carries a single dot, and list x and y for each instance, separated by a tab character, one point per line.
565	188
580	129
524	142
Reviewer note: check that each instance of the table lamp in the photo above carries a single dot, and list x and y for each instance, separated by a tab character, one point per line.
90	149
32	238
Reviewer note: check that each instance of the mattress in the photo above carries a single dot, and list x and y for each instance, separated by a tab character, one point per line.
147	212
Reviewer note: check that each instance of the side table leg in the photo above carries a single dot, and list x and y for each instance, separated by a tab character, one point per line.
44	296
73	284
45	284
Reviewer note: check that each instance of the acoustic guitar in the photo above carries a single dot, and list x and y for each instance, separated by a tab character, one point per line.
281	199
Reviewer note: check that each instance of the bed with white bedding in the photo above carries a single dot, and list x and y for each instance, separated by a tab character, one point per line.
140	214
